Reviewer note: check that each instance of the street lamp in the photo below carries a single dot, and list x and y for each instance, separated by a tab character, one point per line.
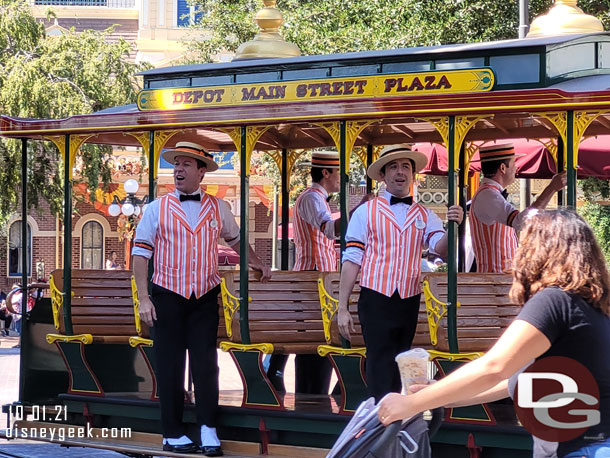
130	205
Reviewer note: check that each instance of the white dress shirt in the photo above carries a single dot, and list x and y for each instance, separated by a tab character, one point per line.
358	227
146	231
314	210
491	207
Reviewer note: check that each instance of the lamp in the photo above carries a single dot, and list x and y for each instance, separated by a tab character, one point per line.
130	205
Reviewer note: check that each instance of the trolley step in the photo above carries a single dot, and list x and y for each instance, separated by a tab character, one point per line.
139	444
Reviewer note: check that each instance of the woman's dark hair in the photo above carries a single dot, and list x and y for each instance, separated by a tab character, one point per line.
558	248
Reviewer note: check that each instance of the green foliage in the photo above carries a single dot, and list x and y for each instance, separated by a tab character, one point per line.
334	26
55	77
598	217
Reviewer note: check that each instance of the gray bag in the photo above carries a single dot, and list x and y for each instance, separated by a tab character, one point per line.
365	437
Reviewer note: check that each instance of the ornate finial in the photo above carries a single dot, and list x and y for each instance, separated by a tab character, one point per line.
564	18
268	42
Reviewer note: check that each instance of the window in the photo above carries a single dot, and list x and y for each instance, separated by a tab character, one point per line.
92	247
14	249
186	14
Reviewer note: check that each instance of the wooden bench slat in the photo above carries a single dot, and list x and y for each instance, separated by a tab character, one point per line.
108	302
111	311
102	292
104	330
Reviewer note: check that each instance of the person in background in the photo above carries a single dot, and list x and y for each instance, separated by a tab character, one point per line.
561	280
493	220
112	263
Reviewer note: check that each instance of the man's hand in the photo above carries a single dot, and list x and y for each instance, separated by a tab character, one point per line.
455	213
559	181
263	273
345	322
147	311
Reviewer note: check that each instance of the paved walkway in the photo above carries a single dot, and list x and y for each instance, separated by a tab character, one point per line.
9	392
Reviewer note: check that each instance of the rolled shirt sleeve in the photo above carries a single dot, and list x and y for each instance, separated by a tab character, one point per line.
146	232
355	237
230	230
434	231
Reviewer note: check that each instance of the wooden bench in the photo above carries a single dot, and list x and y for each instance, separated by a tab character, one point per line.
484	311
284	317
349	363
483	314
101	314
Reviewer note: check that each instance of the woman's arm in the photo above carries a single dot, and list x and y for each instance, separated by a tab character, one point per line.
519	344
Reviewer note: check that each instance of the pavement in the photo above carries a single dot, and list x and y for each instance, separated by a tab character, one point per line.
9	392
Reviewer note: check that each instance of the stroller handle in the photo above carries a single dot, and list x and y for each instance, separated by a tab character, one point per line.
392	429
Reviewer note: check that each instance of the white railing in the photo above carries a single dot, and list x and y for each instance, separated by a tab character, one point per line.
86	3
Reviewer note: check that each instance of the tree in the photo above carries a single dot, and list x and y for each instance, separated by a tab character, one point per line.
333	26
55	77
595	213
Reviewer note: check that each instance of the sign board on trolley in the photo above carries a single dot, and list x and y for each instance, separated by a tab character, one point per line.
387	85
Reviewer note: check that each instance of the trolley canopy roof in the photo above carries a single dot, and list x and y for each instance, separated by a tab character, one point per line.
510	81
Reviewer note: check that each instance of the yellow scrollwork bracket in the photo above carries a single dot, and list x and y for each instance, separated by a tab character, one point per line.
136	305
253	134
76	141
435	311
266	348
86	339
161	139
328	307
324	350
582	120
293	157
143	139
352	131
57	300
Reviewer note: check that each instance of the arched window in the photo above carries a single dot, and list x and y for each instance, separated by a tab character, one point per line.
14	250
92	246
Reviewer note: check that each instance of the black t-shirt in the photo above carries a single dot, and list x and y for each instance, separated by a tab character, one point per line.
576	330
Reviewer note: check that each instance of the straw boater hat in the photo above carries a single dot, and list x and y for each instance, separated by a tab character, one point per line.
497	152
393	152
323	159
191	150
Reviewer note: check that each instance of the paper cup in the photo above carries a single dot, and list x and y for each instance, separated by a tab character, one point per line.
413	367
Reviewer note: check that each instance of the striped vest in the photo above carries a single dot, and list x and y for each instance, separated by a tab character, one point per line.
392	255
186	260
313	250
494	245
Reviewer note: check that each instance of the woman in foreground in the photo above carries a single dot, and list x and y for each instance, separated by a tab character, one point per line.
561	280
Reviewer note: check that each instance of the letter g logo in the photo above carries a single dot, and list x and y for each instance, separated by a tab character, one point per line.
557	399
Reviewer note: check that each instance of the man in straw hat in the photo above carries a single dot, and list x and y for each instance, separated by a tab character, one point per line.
182	230
385	238
493	220
315	232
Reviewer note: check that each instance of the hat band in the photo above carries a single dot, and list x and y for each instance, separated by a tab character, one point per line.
324	162
188	149
397	150
496	155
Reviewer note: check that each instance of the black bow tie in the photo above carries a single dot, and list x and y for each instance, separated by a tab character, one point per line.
405	200
184	197
328	198
505	194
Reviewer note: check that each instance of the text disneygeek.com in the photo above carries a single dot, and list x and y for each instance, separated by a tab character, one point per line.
61	433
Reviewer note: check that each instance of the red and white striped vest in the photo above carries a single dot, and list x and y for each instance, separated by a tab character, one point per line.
392	255
186	260
313	250
494	244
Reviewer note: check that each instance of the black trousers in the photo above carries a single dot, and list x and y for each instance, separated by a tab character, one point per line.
186	324
388	328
